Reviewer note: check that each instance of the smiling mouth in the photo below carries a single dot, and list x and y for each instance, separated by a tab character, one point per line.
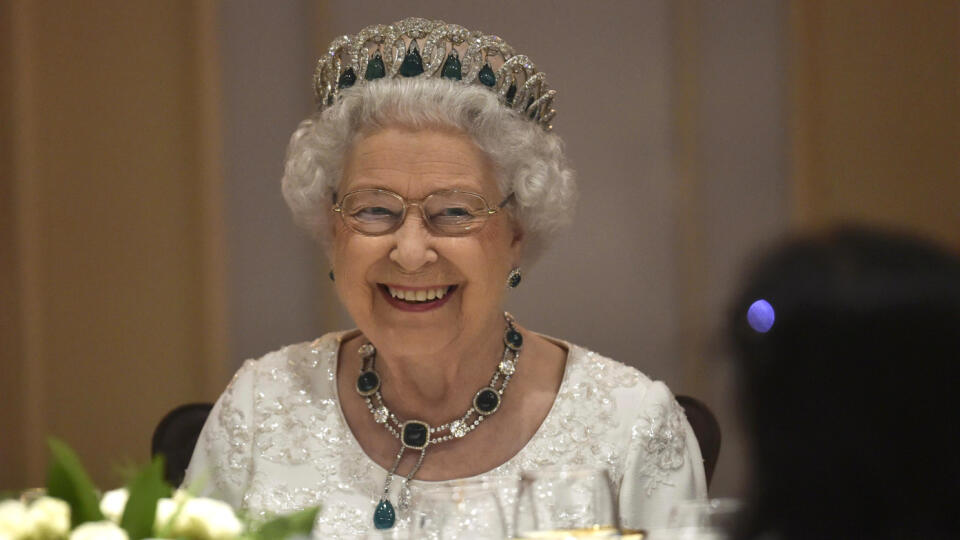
420	296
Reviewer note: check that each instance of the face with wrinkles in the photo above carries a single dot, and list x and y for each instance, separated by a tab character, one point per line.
412	291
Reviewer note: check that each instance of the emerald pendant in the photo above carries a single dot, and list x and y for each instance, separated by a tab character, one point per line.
375	68
384	517
486	76
451	67
412	62
347	78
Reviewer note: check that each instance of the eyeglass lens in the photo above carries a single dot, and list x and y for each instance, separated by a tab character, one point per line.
446	212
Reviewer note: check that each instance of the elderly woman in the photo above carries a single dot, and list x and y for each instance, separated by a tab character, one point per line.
430	176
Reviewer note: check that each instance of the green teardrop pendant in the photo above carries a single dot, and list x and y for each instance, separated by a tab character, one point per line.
384	517
375	68
486	76
451	67
347	78
412	63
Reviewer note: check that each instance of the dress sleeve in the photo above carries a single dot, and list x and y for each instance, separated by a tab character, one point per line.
664	463
221	464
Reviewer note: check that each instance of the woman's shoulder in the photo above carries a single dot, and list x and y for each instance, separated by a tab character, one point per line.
661	454
297	364
604	410
647	408
609	374
636	394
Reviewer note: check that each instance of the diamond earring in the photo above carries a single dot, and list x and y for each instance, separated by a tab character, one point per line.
514	278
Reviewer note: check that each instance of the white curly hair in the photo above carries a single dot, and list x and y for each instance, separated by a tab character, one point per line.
530	162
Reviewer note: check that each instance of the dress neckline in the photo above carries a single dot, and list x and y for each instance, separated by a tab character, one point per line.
341	337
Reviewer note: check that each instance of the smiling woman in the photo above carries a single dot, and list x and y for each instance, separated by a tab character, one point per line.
429	181
470	268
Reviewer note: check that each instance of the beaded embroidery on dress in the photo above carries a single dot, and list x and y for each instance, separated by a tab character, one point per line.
277	441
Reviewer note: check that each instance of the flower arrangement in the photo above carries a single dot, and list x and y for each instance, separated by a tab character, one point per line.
147	508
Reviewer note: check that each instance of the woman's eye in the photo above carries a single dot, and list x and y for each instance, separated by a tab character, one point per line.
373	213
452	212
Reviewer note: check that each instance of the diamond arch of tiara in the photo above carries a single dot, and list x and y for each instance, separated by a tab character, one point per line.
518	85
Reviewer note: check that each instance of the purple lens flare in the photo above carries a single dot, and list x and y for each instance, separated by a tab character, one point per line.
760	316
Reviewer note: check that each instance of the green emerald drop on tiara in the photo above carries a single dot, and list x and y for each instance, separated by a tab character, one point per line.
412	63
375	68
487	77
451	67
347	79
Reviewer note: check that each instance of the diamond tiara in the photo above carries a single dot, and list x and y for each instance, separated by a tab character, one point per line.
448	51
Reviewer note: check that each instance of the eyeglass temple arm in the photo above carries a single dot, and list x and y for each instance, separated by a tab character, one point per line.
503	203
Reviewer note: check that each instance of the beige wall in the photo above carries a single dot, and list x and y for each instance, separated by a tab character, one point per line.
876	114
111	304
275	288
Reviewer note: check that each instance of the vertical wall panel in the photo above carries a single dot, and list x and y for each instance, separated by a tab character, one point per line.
278	292
876	114
111	104
732	187
12	394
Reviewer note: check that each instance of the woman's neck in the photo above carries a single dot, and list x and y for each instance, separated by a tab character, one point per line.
439	386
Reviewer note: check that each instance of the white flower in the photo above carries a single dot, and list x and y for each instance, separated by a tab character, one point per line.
49	517
99	530
113	503
208	519
197	518
14	524
166	508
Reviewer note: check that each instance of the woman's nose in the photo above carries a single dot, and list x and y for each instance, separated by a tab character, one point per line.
414	244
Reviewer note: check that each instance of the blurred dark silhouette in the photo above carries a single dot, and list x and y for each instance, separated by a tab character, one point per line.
849	397
707	429
176	436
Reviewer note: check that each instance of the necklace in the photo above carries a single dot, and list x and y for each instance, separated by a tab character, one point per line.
417	434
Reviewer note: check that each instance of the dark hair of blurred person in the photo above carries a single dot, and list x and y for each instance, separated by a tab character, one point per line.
849	395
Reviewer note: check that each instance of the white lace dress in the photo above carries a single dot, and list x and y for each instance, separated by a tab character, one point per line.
277	441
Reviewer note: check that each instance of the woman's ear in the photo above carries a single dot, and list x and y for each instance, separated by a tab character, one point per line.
518	236
327	237
518	240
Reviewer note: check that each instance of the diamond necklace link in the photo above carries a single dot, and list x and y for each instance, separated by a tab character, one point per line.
456	428
417	434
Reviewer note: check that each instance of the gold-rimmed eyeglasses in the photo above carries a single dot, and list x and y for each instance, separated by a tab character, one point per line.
374	212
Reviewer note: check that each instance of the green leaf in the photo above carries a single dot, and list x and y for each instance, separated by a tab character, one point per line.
67	480
146	488
127	470
281	528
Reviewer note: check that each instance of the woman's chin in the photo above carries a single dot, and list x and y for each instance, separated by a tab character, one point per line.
416	327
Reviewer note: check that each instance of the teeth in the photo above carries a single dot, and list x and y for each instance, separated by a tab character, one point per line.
422	295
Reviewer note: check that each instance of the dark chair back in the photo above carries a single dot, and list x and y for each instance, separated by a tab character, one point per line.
176	436
707	430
